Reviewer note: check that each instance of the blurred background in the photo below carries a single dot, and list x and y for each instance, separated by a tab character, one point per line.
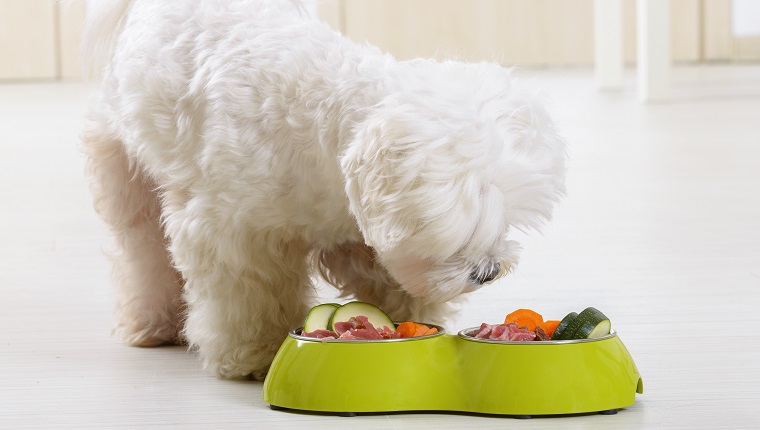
39	38
660	228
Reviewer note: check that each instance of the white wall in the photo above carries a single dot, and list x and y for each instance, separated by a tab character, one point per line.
28	39
746	18
524	32
40	38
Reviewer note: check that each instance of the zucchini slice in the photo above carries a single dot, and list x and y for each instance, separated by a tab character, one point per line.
563	325
319	317
374	315
590	323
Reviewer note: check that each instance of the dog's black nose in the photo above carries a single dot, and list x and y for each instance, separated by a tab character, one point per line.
487	274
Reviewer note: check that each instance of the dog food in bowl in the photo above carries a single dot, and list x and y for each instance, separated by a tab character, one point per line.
358	321
527	325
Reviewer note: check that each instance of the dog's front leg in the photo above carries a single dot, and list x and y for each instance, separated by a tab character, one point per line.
243	290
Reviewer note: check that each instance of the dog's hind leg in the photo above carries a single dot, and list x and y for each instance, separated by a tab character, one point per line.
148	288
244	289
354	270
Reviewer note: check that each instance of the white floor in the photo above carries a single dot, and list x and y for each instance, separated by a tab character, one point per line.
660	230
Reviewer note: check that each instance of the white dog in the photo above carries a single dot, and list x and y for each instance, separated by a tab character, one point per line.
235	144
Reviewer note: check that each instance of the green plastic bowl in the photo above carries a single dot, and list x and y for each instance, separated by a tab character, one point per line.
459	373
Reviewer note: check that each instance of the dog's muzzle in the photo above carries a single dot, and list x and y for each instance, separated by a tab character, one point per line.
482	276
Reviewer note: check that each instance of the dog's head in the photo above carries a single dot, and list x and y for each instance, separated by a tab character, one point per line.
444	167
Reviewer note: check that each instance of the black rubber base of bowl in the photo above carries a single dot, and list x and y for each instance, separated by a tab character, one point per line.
353	414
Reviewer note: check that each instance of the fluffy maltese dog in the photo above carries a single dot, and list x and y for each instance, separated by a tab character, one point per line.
235	147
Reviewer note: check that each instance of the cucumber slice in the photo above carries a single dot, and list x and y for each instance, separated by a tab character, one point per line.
590	323
375	315
319	317
563	325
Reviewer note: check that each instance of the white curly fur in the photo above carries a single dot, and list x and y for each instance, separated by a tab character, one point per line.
235	144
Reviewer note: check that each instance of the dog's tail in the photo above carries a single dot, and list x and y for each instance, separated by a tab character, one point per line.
103	23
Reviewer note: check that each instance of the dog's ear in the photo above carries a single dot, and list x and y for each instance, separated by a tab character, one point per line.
401	183
372	186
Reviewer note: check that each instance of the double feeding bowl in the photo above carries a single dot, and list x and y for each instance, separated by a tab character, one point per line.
443	372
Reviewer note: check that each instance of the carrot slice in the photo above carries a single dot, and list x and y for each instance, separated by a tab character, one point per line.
525	318
432	330
549	326
412	329
406	329
421	329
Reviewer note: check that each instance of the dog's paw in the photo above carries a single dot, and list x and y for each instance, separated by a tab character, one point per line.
246	362
242	372
147	335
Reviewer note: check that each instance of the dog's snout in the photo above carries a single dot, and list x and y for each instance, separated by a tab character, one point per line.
484	275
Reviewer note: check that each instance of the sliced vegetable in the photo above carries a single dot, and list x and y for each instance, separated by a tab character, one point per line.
406	329
549	327
374	315
421	330
431	330
412	329
525	318
319	316
563	325
358	320
590	323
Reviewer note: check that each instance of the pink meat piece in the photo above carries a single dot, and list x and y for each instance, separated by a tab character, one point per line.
514	333
484	332
505	332
360	334
522	335
366	334
320	334
365	323
354	323
359	327
499	332
342	327
511	327
346	335
387	333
